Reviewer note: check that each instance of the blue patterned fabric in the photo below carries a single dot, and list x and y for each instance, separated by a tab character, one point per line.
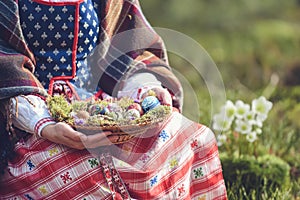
50	33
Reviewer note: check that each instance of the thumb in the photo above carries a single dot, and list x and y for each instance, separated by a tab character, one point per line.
165	97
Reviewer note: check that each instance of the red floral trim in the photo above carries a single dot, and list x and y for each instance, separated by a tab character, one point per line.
58	3
74	48
115	183
39	124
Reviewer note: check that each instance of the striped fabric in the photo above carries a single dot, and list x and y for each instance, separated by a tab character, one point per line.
178	160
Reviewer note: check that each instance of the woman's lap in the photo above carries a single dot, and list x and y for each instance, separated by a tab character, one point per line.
178	161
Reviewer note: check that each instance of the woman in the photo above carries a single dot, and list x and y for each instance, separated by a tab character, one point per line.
84	49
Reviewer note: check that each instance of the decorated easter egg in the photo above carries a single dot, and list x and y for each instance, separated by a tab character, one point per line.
104	111
114	107
149	103
94	109
116	116
82	114
132	114
137	107
97	109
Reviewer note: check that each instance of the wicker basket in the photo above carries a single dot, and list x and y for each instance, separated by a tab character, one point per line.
123	133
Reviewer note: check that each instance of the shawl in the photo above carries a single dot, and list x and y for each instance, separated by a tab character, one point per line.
127	44
125	34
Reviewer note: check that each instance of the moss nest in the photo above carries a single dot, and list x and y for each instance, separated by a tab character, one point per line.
103	112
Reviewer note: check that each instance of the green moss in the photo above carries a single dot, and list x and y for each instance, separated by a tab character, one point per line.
80	105
60	109
97	120
256	174
63	111
151	93
125	102
155	114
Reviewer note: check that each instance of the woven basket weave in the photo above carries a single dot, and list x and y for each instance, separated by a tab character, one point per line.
123	133
121	130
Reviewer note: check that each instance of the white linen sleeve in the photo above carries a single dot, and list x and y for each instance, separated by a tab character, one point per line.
139	84
31	114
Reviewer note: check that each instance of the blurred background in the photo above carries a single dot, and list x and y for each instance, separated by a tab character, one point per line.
256	47
247	39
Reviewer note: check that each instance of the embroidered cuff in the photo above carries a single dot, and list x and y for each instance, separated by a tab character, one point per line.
41	124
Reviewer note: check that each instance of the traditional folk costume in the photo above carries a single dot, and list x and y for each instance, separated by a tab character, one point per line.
85	48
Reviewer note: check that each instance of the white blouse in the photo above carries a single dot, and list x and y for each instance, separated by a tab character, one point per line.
31	114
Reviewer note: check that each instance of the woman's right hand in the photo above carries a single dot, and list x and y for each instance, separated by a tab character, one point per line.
62	133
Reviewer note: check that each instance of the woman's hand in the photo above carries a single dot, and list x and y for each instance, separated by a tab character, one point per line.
162	94
62	133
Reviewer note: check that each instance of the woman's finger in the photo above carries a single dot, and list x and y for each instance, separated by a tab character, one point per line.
68	132
97	140
163	95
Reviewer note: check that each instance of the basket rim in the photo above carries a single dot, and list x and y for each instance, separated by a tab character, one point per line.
127	129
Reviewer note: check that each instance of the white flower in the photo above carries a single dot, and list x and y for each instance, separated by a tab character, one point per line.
241	109
221	138
242	126
258	131
221	122
251	137
250	117
259	119
261	106
229	109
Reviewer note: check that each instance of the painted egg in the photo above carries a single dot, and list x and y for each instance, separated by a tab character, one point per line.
82	114
137	107
132	114
94	109
104	111
114	107
149	103
97	109
116	116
